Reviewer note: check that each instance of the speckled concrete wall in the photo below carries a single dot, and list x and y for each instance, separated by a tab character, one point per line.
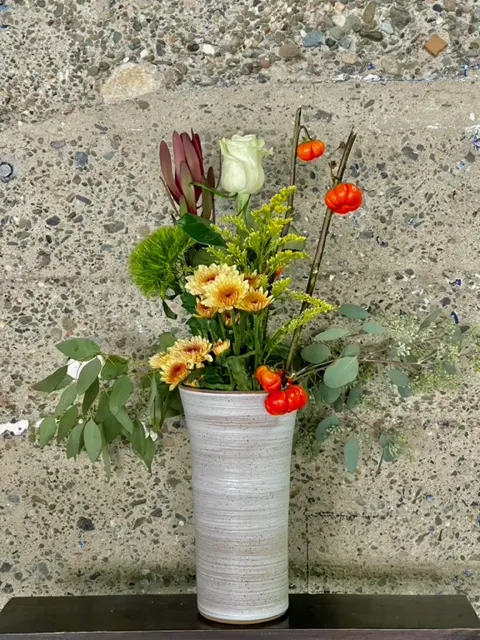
87	189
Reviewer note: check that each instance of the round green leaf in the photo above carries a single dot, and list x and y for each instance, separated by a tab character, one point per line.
202	257
92	436
398	378
326	427
335	333
341	372
316	353
47	430
324	394
355	396
373	328
87	375
352	455
79	349
121	391
405	392
353	311
351	350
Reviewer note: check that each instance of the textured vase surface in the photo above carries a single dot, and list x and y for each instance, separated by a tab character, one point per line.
241	477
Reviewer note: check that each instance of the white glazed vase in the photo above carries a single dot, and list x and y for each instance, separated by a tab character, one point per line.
241	485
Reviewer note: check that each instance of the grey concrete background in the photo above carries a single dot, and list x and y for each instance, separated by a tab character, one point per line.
87	189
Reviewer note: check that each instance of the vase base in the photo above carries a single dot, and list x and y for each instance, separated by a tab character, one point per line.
242	622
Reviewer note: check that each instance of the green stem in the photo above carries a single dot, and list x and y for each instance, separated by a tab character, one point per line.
317	260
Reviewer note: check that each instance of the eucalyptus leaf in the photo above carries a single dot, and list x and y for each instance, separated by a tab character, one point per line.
341	372
405	392
90	396
67	422
457	335
111	429
121	391
114	367
353	311
137	438
103	409
52	382
449	368
79	349
398	378
46	431
431	318
324	394
200	230
88	374
351	350
149	451
93	440
326	427
352	455
335	333
373	328
316	353
355	396
75	441
125	420
66	399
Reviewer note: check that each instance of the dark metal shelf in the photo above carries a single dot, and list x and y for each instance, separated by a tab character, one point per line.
310	617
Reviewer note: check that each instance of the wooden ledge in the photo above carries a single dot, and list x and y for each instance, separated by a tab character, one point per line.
310	617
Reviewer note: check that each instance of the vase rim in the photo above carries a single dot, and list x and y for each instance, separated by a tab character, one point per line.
222	392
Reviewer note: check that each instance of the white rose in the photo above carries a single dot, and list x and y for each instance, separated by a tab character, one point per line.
242	170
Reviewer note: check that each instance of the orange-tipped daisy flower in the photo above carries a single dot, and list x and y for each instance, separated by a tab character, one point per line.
205	275
221	347
226	291
175	371
254	301
159	360
196	351
229	318
206	313
254	280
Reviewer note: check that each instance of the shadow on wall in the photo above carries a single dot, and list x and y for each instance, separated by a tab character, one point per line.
171	578
374	579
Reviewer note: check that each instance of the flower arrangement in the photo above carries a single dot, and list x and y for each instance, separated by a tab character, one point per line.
229	274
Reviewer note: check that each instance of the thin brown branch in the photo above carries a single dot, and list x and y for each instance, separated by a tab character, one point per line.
297	128
320	250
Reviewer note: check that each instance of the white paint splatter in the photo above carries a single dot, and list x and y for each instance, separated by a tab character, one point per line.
15	428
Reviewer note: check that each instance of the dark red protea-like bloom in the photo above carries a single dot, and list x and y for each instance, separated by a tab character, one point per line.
189	168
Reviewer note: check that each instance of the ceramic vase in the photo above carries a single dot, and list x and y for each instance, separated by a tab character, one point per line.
241	478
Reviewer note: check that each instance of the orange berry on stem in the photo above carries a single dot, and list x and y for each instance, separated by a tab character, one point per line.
276	403
344	198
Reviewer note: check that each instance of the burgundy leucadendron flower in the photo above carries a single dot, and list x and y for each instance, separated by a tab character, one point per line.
189	168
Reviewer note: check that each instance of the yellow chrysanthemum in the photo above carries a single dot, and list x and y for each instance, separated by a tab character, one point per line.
159	360
221	347
254	280
195	351
226	291
254	301
205	312
174	371
229	318
205	275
